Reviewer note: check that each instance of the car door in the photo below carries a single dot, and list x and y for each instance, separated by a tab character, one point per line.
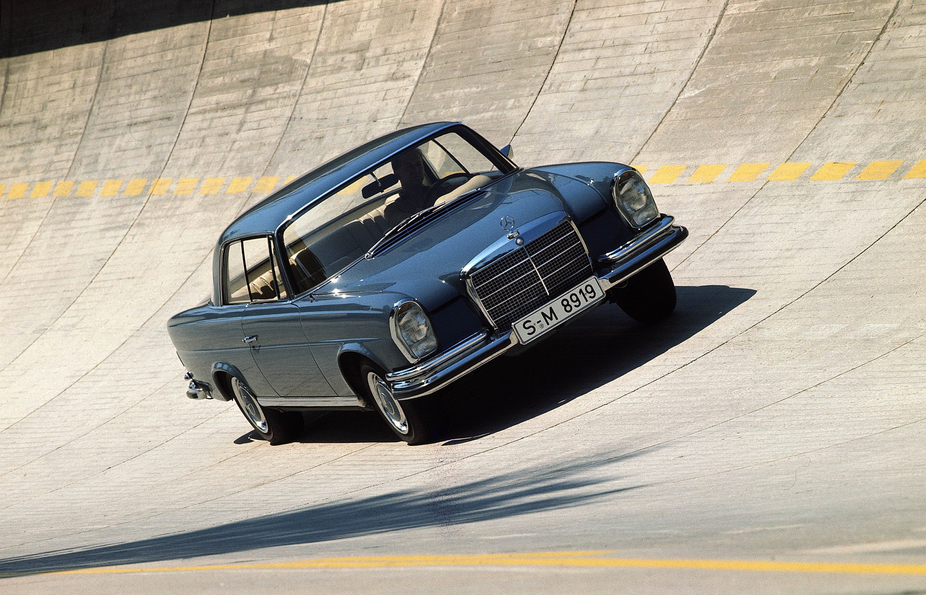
272	328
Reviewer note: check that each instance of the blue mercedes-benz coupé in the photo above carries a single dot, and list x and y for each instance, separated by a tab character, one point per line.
385	274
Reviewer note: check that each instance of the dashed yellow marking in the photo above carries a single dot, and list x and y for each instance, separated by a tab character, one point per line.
832	171
111	187
748	172
552	559
667	174
266	184
160	186
918	171
86	188
17	191
41	190
136	186
64	189
879	170
238	185
788	172
211	185
185	186
706	174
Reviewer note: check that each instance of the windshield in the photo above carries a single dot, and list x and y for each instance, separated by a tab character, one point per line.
324	239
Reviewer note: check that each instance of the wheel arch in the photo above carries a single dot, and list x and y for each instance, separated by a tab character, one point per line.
222	374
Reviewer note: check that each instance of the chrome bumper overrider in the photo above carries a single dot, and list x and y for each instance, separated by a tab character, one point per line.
652	244
612	268
465	356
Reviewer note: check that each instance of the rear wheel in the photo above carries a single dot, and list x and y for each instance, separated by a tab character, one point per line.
648	296
278	427
406	420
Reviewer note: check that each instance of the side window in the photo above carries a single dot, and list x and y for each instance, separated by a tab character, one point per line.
251	272
465	154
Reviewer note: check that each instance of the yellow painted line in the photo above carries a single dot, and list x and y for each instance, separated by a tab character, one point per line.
17	191
879	170
41	190
160	186
111	187
552	559
664	174
86	188
63	188
706	174
266	184
788	172
211	185
185	186
832	171
747	172
136	186
238	185
918	171
667	174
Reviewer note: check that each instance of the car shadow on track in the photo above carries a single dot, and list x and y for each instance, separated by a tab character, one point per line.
603	345
526	490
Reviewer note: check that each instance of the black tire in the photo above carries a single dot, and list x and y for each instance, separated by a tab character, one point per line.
278	427
406	420
648	296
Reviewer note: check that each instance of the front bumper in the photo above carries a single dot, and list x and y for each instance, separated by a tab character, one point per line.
652	243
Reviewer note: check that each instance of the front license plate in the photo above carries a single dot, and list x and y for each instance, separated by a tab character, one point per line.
579	298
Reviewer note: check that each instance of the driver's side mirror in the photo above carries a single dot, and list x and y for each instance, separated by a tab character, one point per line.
507	151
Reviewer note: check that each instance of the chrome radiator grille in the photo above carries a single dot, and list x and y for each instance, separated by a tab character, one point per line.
528	277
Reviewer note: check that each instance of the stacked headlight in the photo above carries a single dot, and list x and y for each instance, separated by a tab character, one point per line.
411	330
633	199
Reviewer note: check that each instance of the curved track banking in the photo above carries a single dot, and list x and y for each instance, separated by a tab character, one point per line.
779	415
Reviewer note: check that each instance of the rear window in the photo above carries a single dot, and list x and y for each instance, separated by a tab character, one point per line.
251	272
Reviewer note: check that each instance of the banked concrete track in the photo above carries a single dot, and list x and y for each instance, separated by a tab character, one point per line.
768	438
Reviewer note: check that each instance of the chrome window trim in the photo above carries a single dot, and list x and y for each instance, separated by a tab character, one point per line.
466	133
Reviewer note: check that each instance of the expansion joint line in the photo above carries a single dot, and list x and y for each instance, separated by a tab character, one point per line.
121	240
424	63
549	71
694	69
292	112
797	148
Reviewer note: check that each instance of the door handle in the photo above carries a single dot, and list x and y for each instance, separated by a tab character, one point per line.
249	339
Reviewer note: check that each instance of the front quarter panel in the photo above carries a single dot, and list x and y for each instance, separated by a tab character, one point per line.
339	323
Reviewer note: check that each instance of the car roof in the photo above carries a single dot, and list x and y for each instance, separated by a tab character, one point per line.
265	217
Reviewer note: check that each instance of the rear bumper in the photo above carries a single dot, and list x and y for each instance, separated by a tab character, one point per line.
439	370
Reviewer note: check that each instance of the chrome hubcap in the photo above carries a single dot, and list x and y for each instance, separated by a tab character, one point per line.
250	407
391	408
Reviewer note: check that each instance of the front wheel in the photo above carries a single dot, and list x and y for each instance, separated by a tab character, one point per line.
404	419
279	427
648	296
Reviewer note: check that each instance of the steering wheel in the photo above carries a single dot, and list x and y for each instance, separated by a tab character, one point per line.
445	185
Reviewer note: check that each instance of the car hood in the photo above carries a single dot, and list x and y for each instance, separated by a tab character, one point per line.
426	264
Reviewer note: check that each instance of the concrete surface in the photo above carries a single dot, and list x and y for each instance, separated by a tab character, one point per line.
768	438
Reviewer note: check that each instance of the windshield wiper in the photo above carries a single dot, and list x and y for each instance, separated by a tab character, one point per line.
402	225
406	223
